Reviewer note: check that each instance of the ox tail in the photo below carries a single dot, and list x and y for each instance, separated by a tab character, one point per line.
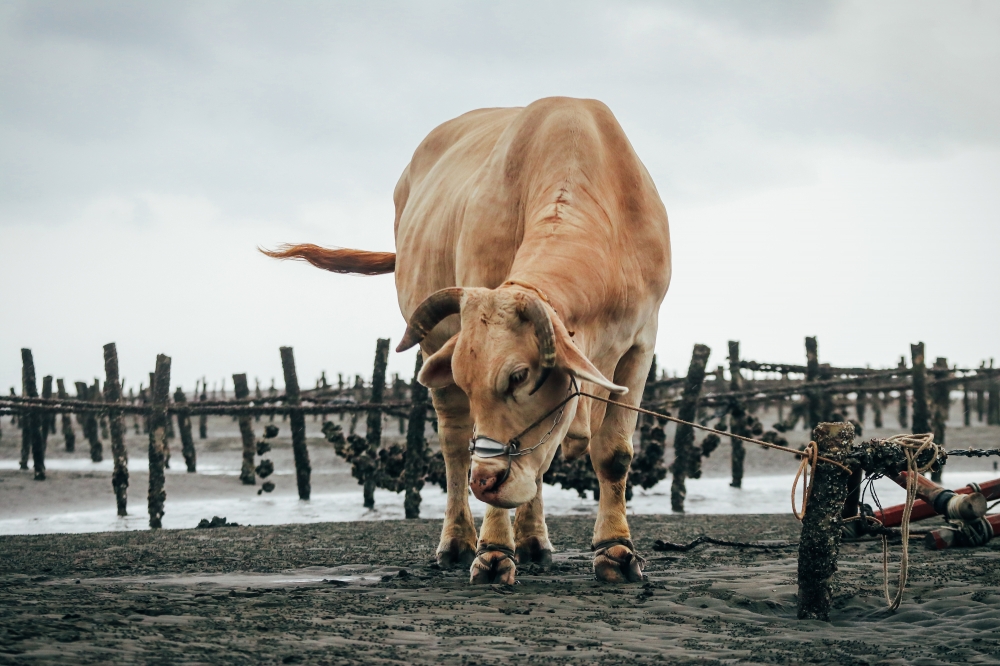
338	259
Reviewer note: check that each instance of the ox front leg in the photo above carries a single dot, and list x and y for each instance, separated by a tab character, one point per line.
457	547
494	561
531	535
615	559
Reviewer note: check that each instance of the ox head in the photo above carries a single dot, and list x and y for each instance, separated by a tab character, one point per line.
514	359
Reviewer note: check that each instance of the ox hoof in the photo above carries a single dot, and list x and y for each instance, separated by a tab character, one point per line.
531	551
618	563
458	555
493	566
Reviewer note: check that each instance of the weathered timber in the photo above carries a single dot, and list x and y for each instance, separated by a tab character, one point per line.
819	545
860	402
169	427
687	459
921	412
940	394
981	397
67	421
31	422
415	459
737	418
878	399
373	433
88	420
160	390
98	396
303	470
813	396
203	419
184	426
48	420
966	405
993	408
116	426
242	390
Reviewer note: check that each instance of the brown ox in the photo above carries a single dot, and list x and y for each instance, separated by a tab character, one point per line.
531	248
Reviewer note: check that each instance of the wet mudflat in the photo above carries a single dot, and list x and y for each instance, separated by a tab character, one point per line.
339	593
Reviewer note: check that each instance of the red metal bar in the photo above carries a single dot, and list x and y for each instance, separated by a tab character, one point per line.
893	515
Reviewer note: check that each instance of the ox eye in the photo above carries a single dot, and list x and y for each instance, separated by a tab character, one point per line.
517	378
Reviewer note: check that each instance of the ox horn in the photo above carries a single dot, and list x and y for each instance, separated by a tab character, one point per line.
429	314
536	313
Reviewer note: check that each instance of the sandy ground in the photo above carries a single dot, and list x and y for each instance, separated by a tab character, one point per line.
340	593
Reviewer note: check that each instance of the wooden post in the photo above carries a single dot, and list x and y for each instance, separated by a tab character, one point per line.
921	413
116	423
980	394
940	392
184	425
48	419
687	461
415	457
32	423
819	544
966	404
89	423
813	396
993	408
98	396
373	433
242	391
903	414
860	403
298	423
67	421
160	390
877	400
737	419
203	418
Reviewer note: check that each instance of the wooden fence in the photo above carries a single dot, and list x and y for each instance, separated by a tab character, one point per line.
812	393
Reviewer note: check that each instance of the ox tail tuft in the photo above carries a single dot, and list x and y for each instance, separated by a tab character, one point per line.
338	259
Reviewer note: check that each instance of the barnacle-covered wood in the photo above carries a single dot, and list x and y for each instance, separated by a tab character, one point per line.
184	425
736	411
160	390
687	459
297	420
69	437
373	432
415	461
819	544
116	423
242	390
31	423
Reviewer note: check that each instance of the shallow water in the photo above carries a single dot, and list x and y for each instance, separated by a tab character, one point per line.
759	494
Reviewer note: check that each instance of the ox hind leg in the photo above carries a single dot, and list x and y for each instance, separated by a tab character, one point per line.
458	536
611	454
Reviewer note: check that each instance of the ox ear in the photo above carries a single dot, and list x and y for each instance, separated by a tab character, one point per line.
572	360
436	371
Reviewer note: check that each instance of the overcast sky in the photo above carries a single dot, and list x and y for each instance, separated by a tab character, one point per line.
829	169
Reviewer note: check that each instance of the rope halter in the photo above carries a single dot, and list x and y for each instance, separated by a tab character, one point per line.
482	446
